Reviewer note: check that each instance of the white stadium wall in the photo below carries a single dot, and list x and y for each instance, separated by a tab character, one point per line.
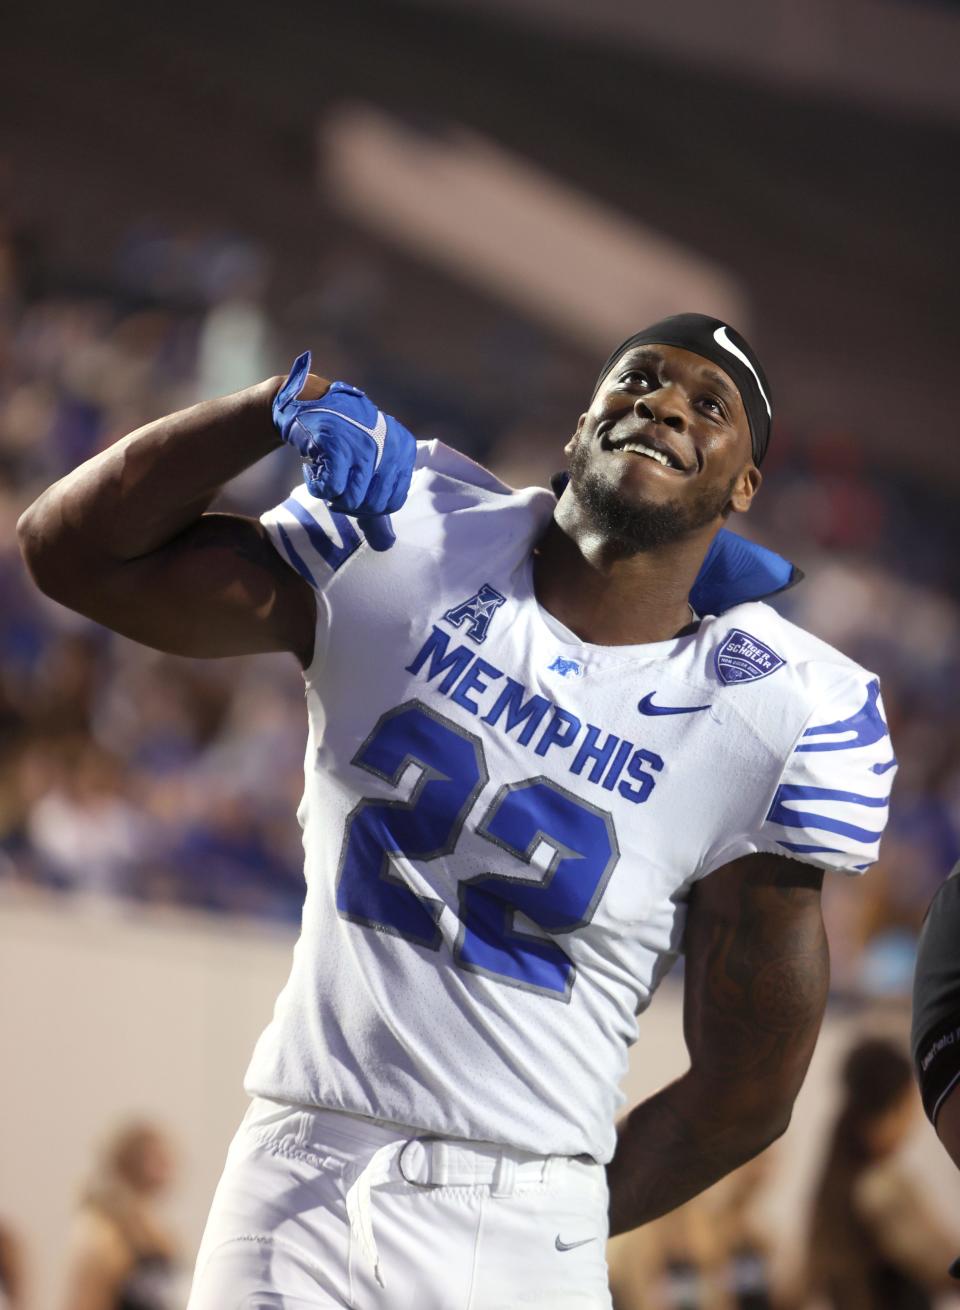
107	1014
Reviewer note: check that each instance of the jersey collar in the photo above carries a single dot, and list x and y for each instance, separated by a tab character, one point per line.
734	571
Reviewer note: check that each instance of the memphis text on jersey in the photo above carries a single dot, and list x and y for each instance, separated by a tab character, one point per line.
481	688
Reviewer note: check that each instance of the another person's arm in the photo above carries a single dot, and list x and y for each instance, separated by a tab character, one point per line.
906	1230
11	1268
125	540
755	988
97	1264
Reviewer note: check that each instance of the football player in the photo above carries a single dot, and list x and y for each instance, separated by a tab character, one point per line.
555	738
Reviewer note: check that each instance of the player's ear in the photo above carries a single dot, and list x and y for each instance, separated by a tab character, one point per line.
745	488
568	448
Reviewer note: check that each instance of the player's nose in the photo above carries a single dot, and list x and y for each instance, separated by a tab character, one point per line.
664	406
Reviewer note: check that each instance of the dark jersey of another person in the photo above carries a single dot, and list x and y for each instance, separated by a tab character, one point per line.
935	1038
149	1285
152	1280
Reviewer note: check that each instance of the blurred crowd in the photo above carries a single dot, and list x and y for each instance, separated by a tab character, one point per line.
869	1237
129	775
121	1251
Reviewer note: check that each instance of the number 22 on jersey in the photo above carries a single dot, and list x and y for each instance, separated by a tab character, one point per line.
523	815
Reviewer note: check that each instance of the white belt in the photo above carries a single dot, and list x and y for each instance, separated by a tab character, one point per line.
377	1170
435	1162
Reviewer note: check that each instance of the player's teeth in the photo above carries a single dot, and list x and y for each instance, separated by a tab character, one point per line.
639	449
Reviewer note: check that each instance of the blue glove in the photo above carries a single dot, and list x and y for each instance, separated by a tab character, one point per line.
356	458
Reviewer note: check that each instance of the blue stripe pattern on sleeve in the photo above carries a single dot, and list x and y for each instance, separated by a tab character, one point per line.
335	555
787	818
795	792
866	727
295	559
805	848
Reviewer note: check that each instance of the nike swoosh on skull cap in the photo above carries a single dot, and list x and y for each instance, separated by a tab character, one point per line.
721	338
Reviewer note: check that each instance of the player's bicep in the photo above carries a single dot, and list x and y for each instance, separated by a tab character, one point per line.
757	974
219	588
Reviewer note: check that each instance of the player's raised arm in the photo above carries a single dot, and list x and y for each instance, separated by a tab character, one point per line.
755	988
125	538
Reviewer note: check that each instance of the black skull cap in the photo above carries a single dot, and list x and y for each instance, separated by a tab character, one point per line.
723	346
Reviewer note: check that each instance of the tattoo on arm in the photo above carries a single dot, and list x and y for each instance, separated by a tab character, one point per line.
757	972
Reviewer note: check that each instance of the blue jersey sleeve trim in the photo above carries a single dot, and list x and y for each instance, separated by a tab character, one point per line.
866	726
807	819
796	792
294	558
335	555
787	818
807	849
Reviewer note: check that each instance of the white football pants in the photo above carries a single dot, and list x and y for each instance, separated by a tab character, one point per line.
317	1209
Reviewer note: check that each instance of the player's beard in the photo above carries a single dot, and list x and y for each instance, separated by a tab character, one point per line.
641	525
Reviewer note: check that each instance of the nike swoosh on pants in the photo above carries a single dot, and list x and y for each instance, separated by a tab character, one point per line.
568	1246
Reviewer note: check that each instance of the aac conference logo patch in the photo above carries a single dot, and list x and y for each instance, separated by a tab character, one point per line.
741	658
477	612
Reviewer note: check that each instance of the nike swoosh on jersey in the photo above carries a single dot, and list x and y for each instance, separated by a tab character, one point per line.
646	706
568	1246
378	432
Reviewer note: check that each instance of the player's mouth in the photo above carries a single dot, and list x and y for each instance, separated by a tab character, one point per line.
647	446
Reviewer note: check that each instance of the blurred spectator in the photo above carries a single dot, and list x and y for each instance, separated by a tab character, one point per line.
235	340
122	1256
874	1243
670	1264
84	830
744	1245
11	1270
711	1254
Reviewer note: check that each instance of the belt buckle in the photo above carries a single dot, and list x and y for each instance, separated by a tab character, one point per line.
413	1182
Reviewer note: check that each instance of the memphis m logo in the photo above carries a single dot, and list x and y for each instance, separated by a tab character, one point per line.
476	612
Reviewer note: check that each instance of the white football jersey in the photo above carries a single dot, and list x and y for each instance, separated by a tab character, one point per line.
502	823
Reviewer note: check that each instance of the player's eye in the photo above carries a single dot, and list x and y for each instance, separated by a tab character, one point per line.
636	374
713	406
